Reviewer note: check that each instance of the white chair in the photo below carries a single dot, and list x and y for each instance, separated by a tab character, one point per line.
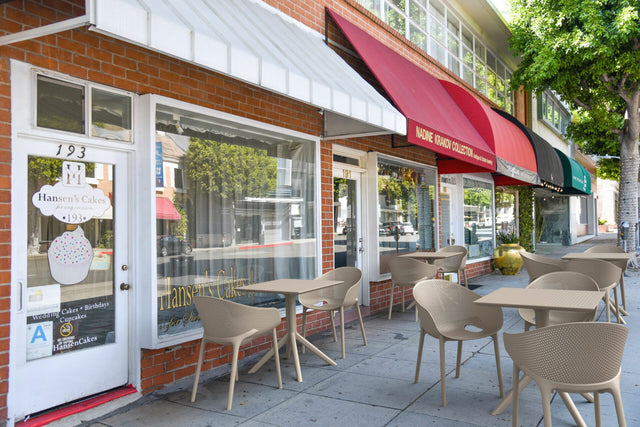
229	323
447	311
338	297
571	357
406	272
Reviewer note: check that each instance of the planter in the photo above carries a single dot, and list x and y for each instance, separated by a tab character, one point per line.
507	258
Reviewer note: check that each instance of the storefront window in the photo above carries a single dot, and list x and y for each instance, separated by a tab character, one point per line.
478	218
234	206
406	220
552	220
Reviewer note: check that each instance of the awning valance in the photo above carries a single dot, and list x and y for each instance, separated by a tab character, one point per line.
434	120
166	210
576	178
549	165
515	158
255	43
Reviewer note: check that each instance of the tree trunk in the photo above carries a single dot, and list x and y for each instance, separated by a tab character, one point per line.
628	191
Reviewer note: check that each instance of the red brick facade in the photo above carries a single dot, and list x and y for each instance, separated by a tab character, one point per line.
87	55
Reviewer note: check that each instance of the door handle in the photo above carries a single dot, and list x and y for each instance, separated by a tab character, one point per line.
125	286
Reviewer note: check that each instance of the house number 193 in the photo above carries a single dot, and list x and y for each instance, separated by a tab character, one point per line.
71	150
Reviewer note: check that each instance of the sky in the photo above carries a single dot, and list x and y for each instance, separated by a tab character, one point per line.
502	6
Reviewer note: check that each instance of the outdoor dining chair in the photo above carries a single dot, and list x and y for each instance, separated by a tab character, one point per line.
606	275
538	265
405	272
572	357
229	323
613	249
338	297
561	280
448	313
455	264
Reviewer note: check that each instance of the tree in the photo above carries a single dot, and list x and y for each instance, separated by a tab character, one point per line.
589	54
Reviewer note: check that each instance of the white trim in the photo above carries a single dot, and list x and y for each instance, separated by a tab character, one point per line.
45	30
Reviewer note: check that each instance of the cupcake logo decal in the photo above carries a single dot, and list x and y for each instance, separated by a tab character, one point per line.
71	200
70	257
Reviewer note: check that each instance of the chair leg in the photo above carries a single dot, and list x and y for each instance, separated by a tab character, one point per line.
198	368
391	301
364	336
276	355
515	398
466	281
496	350
458	359
341	330
617	400
596	408
234	374
333	326
420	346
606	306
546	406
622	297
443	375
304	325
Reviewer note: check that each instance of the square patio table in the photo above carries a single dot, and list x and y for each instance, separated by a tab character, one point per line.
291	288
429	257
542	301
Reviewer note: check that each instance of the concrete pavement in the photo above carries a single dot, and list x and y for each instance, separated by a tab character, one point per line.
374	385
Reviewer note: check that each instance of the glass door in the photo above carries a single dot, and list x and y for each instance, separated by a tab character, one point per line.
348	243
69	314
447	215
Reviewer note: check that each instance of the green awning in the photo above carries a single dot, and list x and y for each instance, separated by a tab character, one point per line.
576	178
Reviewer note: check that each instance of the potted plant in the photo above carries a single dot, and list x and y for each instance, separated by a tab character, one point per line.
506	256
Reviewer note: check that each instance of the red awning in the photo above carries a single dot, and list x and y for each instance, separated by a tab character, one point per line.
515	157
434	120
166	210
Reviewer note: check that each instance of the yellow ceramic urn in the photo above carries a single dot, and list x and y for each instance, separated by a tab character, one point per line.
507	258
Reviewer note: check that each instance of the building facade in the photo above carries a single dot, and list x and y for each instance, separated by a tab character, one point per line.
152	154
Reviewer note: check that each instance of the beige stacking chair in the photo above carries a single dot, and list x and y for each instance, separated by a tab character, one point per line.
538	265
572	357
405	272
454	264
229	323
334	298
613	249
448	313
606	276
561	280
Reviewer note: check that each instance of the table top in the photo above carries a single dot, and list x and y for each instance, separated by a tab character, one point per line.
290	286
430	255
548	299
606	256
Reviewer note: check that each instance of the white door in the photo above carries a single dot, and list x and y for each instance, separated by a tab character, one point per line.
69	309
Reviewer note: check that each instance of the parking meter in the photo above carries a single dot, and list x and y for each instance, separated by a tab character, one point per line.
624	232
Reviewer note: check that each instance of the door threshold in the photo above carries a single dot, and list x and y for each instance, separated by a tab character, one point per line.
63	411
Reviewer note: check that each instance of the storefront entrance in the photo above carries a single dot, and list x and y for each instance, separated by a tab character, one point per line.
70	240
448	227
348	242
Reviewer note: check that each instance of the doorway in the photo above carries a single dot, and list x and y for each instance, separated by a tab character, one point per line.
69	315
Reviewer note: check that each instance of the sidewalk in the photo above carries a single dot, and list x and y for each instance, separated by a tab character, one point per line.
374	385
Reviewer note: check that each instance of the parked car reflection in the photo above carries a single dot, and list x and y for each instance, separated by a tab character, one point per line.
172	245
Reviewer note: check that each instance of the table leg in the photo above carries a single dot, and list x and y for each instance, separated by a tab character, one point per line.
268	355
572	408
292	332
524	381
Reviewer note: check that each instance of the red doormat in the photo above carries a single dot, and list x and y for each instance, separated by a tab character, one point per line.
76	407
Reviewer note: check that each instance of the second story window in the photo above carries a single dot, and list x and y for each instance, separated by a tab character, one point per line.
552	112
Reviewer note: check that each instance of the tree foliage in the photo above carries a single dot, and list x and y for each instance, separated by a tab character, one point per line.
588	53
231	171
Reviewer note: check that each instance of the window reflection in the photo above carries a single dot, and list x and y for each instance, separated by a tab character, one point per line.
478	218
234	206
405	209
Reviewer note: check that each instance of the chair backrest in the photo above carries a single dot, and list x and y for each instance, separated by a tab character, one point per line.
563	280
604	273
537	265
453	263
406	271
605	249
223	319
443	305
348	290
571	353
